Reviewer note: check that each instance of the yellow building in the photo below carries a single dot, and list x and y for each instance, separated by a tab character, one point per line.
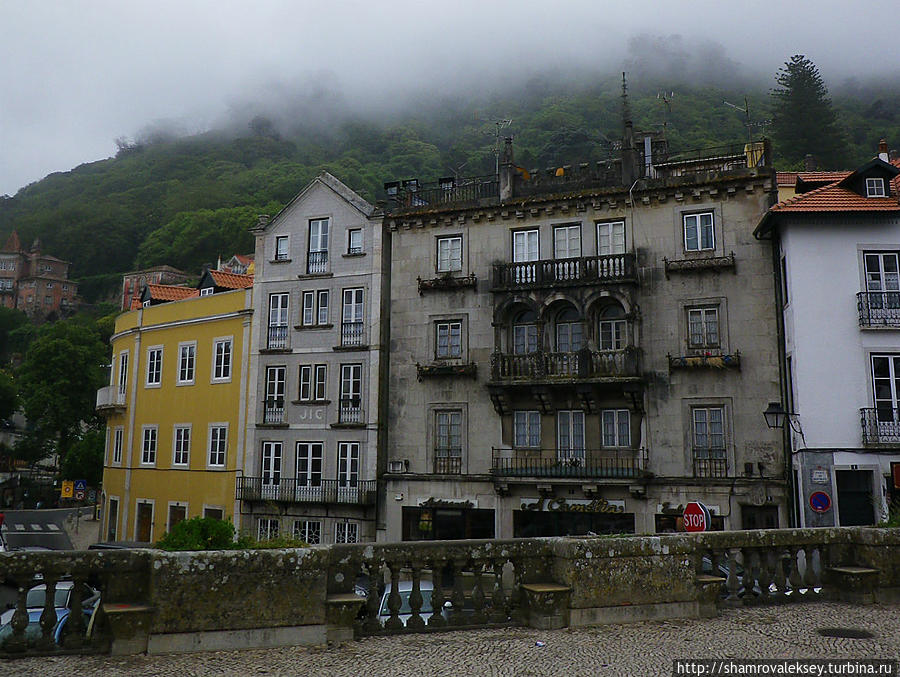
176	408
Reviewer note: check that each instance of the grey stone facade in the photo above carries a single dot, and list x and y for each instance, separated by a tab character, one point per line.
564	381
312	453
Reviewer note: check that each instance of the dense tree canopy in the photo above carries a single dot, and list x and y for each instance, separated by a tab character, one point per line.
803	119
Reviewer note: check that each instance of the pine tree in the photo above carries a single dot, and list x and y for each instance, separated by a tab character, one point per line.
804	121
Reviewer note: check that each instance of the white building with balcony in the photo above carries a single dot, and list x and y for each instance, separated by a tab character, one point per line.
837	249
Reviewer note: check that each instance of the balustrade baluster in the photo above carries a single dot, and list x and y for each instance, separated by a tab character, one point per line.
748	580
794	577
19	622
74	630
459	595
415	622
765	573
809	575
731	582
499	602
373	598
48	616
437	619
394	601
517	610
479	617
780	576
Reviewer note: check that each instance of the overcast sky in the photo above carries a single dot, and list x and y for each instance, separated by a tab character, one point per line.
77	74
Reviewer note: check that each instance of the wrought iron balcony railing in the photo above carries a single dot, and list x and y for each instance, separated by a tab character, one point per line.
606	463
317	263
880	426
710	467
277	337
878	308
584	364
447	192
293	490
273	410
353	334
587	270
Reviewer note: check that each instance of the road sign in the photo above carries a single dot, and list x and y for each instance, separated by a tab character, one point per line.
92	495
696	517
819	501
80	485
67	489
79	495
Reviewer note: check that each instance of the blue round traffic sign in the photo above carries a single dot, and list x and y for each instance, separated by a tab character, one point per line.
819	501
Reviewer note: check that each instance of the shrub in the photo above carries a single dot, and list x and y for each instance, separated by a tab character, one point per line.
199	533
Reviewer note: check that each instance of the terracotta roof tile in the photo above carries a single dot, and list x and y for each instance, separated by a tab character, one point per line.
790	178
168	292
231	280
835	198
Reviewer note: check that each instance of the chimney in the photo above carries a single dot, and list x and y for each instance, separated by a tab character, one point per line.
507	170
809	163
894	155
883	150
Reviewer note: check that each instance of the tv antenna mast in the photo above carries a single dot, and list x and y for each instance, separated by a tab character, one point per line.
499	125
666	98
747	122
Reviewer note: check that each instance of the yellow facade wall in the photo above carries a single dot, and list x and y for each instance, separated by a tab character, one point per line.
154	488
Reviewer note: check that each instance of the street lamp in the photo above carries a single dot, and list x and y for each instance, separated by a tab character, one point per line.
775	415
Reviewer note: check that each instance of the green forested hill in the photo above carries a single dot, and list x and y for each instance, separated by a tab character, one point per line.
184	201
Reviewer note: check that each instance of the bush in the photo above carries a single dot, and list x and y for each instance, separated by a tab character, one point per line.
199	533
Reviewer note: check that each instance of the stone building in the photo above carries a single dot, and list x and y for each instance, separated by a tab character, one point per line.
837	243
583	350
133	283
36	283
312	450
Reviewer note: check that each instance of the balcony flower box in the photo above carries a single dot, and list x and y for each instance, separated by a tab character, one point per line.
447	282
705	361
443	370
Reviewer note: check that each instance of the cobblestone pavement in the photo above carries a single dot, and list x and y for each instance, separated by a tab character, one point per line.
635	649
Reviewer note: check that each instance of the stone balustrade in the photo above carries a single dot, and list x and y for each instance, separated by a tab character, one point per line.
158	601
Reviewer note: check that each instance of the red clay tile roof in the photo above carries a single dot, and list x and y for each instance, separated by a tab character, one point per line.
244	258
790	178
835	198
168	292
231	280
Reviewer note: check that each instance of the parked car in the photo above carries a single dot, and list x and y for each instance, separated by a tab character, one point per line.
33	630
34	600
405	590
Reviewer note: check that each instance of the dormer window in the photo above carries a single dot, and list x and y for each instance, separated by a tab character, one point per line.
875	188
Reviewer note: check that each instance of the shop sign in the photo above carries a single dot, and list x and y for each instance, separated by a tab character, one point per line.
433	502
574	505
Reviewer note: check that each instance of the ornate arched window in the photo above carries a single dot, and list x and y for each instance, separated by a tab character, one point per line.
569	331
612	334
525	333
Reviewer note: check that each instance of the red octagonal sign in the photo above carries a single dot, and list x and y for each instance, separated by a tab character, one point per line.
696	517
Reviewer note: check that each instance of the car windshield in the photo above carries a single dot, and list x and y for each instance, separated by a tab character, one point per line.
35	597
404	603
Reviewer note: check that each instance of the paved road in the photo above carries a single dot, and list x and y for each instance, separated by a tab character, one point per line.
633	650
40	528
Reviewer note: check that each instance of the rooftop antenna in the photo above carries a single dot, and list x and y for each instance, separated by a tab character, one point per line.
499	124
666	98
747	123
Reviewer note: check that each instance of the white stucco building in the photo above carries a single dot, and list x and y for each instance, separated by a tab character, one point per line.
837	249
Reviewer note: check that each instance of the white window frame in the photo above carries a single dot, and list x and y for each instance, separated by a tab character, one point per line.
875	187
209	508
217	434
448	425
708	450
702	316
176	504
154	359
449	253
567	241
282	249
305	391
320	382
693	223
527	429
279	309
610	238
149	444
152	503
118	444
187	363
268	528
526	245
444	331
349	458
181	445
569	426
309	308
123	372
355	248
615	427
271	459
346	532
221	369
310	466
207	291
115	526
303	529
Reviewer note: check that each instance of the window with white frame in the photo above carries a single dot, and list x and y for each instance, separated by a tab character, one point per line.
222	359
708	432
610	238
267	528
886	384
567	241
346	532
525	333
270	464
699	232
449	254
112	519
309	463
317	261
448	339
355	241
348	464
875	187
181	445
218	445
281	248
213	513
613	328
207	291
313	378
352	317
154	365
278	321
616	427
315	307
148	447
274	402
527	429
309	531
187	356
351	394
703	327
570	435
118	437
123	372
448	441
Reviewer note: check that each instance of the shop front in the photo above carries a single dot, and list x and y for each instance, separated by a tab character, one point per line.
571	517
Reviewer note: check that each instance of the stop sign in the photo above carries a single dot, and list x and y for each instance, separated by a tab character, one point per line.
696	517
